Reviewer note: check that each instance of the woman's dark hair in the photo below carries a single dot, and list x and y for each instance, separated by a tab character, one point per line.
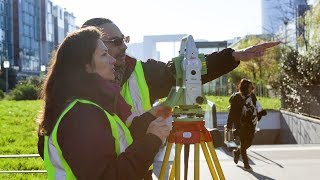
97	22
67	77
243	86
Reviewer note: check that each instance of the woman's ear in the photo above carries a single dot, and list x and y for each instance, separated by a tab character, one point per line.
89	68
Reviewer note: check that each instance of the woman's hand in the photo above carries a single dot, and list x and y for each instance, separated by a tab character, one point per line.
159	128
161	111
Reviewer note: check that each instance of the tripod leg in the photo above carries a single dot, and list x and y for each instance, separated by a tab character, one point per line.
215	160
209	160
173	169
186	160
196	161
177	161
172	172
165	161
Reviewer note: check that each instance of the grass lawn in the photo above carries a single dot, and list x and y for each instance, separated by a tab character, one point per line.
18	133
222	103
18	136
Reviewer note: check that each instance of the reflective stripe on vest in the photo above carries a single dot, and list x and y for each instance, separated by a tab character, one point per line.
114	121
142	87
143	91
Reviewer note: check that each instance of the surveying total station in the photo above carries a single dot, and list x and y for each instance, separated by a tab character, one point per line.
188	126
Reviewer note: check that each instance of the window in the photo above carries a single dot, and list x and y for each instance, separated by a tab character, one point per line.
25	30
27	42
24	6
1	6
49	8
31	9
2	22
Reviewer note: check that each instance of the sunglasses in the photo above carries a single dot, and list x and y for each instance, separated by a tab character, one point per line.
118	41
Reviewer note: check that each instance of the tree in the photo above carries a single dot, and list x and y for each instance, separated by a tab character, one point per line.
261	70
299	78
311	23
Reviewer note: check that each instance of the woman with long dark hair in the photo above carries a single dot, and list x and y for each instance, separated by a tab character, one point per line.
82	134
244	116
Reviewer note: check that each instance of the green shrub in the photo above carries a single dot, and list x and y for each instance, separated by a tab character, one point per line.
1	94
24	92
301	69
26	89
33	80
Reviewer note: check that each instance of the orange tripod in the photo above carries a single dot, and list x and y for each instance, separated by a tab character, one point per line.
186	133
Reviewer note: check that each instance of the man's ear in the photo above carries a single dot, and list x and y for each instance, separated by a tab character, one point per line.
89	68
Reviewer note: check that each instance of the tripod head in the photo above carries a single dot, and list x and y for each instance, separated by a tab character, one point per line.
186	97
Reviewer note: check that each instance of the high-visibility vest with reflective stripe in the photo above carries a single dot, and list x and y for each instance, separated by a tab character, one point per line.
143	91
142	87
115	124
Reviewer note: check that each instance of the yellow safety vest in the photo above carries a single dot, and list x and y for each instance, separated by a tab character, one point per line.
142	87
114	122
143	91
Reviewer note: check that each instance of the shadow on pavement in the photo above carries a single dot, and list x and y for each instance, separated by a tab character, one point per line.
267	159
260	176
257	175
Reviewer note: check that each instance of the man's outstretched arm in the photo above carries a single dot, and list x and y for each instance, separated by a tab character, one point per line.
228	59
160	76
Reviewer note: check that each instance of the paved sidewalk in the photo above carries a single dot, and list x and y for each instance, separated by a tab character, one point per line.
267	161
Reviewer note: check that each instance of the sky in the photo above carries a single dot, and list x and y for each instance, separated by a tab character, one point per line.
212	20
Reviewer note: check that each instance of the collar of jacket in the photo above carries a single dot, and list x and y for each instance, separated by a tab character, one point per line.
129	68
108	96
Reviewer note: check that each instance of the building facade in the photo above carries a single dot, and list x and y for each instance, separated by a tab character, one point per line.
58	21
6	40
30	30
281	19
69	22
47	31
277	13
27	35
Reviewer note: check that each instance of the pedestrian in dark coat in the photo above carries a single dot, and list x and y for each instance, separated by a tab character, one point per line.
243	116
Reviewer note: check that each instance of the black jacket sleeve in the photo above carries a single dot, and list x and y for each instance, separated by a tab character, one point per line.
88	146
218	64
160	76
236	104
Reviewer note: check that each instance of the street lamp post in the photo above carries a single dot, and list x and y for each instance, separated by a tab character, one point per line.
42	70
6	65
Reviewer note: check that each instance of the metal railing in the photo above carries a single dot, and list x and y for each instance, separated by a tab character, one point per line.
21	156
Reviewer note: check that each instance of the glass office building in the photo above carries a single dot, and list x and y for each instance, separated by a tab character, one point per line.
276	13
37	26
27	39
69	22
47	31
6	40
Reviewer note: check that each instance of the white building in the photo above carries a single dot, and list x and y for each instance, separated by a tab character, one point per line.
277	13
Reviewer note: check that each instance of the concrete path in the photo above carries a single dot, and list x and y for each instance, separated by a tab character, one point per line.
267	161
